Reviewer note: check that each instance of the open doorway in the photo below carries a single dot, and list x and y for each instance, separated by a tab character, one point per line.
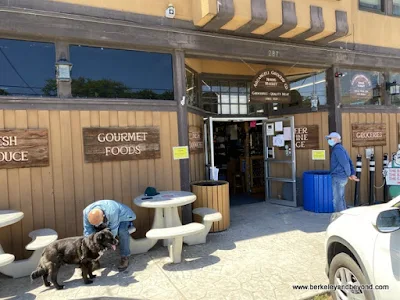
236	150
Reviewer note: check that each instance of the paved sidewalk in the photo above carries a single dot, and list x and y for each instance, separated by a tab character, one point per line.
267	249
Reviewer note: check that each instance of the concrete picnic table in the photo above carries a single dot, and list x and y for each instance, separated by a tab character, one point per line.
40	239
8	217
166	215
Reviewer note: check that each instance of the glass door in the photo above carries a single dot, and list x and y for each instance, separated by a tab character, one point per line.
280	161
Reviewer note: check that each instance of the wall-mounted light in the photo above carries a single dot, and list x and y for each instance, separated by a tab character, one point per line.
393	88
63	70
376	91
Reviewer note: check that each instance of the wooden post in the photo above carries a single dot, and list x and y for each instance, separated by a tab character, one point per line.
183	127
334	99
247	156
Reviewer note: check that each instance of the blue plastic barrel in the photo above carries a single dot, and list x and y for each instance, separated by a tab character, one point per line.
317	191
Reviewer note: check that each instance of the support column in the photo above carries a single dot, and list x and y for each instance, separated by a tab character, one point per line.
183	127
63	87
333	98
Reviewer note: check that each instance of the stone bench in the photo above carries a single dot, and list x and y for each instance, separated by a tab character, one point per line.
6	259
176	234
40	239
209	216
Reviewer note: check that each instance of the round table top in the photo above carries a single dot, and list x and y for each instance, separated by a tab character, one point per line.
166	199
9	217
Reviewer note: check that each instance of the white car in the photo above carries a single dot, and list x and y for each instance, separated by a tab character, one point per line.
363	252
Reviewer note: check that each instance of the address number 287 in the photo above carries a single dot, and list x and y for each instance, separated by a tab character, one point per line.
273	53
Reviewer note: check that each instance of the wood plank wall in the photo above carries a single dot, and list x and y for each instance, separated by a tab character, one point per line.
392	129
197	161
304	160
55	196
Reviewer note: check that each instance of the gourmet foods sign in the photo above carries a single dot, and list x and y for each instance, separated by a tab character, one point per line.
119	144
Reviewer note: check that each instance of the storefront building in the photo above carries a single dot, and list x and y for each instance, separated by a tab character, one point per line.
153	72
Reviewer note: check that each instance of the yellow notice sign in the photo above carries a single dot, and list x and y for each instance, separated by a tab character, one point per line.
181	152
318	154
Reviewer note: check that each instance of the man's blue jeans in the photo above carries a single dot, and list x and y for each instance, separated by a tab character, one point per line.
338	188
124	238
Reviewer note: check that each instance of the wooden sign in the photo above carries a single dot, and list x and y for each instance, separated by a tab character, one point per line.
307	137
364	135
270	86
361	87
196	142
119	144
25	148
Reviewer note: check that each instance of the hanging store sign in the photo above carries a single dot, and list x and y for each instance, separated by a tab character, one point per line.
307	137
270	86
119	144
24	148
361	87
196	143
371	134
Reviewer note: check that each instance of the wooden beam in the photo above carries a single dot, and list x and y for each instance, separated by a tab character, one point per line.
334	99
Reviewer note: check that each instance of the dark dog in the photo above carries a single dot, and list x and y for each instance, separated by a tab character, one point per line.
82	251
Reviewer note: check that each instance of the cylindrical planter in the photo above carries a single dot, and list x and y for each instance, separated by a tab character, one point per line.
317	191
213	194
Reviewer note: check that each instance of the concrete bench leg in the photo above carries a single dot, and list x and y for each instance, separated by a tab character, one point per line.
199	238
143	245
175	249
22	268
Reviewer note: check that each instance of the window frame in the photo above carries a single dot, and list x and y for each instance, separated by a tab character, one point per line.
36	40
387	8
228	78
111	47
374	10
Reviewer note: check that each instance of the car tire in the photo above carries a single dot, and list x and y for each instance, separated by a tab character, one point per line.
343	260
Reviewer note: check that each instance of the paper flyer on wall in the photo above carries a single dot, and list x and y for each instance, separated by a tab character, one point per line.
279	126
278	141
287	133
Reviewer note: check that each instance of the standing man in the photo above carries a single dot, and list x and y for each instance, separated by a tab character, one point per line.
116	216
342	170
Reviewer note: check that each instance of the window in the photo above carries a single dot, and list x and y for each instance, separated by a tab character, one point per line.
191	87
396	7
371	4
112	73
361	87
227	97
303	89
394	94
27	68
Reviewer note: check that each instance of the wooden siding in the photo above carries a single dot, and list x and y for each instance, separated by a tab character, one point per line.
392	129
55	196
197	161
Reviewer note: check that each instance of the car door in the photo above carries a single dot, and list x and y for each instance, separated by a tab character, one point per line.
387	265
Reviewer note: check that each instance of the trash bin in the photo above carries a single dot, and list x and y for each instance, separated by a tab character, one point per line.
213	194
317	191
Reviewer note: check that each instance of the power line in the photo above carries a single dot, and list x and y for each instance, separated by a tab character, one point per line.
16	71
